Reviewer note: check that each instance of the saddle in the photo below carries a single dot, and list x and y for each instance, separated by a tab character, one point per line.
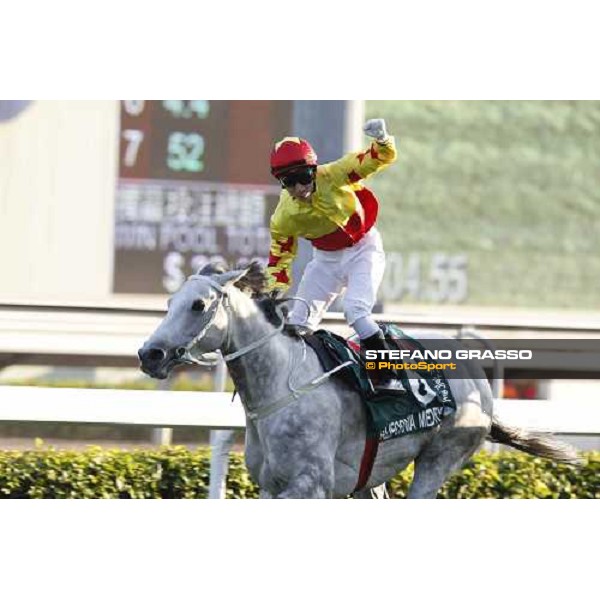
429	397
334	350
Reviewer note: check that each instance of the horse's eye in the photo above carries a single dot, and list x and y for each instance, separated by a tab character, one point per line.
198	306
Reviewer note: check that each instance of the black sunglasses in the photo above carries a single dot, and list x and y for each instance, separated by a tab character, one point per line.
302	177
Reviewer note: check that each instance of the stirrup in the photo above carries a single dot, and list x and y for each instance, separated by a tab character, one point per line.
297	330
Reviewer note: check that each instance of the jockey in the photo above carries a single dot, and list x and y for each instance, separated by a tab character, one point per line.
327	205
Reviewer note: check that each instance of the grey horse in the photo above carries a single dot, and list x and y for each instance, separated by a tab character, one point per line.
306	431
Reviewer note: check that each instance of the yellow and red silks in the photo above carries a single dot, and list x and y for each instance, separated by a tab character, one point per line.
338	215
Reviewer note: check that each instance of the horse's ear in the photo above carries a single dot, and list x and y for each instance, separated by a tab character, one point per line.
252	279
230	278
213	269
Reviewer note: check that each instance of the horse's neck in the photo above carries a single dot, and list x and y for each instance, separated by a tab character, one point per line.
255	373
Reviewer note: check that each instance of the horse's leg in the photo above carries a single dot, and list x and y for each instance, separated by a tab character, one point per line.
310	481
305	487
253	454
447	452
221	442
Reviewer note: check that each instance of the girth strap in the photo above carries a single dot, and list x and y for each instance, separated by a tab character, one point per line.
367	462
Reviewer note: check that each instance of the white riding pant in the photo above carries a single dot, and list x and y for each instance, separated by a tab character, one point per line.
358	268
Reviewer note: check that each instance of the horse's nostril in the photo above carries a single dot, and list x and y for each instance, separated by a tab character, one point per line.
180	352
152	354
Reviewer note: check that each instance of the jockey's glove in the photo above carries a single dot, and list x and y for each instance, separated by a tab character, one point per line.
375	128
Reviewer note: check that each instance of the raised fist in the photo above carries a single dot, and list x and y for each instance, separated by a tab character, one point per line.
375	128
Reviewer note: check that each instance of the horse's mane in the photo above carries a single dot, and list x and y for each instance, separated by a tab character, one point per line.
255	282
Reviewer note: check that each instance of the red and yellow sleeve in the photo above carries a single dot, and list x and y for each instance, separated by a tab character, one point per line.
359	165
281	256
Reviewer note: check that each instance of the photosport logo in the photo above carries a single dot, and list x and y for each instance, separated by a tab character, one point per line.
379	363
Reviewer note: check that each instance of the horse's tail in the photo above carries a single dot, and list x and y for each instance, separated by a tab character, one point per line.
537	443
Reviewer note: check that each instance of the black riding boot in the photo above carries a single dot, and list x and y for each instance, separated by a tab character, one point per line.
384	380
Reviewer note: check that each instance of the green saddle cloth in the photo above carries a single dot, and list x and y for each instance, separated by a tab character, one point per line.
429	399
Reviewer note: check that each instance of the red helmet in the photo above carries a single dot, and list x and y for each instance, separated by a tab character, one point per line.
291	152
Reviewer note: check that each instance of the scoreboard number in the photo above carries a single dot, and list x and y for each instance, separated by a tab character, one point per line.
185	152
187	109
134	107
437	278
133	140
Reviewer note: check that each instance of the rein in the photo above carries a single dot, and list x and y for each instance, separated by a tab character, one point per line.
185	355
294	392
254	345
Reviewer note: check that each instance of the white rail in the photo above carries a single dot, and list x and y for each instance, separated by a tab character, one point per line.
121	407
215	410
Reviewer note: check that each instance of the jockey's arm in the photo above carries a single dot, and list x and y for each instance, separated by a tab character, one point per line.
355	166
281	256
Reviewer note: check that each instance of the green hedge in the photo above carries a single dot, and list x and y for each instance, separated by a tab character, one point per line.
177	472
173	472
515	475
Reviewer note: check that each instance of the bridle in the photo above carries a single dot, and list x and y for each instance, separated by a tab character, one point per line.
184	353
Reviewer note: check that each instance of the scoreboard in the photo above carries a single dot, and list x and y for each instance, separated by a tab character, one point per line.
193	186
